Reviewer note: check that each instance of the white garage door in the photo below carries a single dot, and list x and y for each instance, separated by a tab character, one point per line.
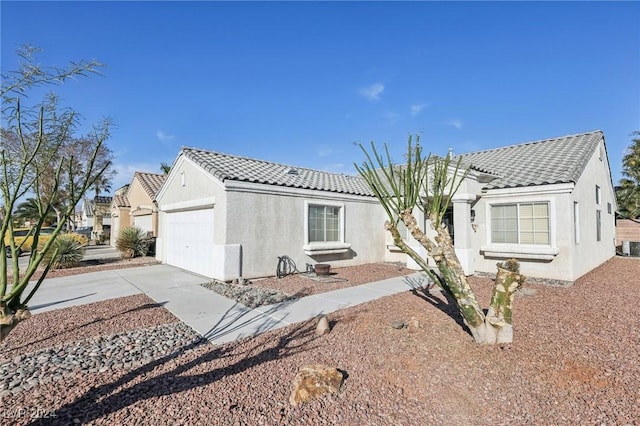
189	240
143	222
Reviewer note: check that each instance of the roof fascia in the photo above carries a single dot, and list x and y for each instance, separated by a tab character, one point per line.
556	188
263	188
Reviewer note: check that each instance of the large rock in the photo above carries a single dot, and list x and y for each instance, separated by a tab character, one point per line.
314	381
323	326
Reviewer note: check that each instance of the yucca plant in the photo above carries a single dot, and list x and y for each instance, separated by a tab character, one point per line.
68	251
132	241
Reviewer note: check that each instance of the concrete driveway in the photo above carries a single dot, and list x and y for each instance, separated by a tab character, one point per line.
73	290
213	316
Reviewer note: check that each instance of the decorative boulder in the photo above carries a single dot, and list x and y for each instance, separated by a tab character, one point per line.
323	326
314	381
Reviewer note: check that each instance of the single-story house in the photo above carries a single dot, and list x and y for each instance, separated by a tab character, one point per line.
549	203
95	213
134	204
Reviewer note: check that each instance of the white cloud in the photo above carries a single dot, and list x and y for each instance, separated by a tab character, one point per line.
455	123
164	137
325	152
372	93
417	109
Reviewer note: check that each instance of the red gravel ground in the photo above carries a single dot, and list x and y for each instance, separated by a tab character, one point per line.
575	360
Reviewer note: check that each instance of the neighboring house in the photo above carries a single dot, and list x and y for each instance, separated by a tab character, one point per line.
548	203
120	209
134	204
95	213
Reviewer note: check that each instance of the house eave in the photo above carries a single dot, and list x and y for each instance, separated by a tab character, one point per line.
557	188
262	188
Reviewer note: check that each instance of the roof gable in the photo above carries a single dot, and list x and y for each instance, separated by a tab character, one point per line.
150	182
544	162
229	167
120	200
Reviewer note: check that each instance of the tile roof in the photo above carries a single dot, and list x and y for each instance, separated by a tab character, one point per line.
542	162
151	182
87	207
101	199
120	200
230	167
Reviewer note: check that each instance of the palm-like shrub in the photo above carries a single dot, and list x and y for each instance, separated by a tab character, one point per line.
70	251
132	241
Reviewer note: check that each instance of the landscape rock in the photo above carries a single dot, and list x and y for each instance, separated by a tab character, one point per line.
314	381
398	324
323	326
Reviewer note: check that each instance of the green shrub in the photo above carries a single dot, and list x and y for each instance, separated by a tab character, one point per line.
132	241
81	239
70	252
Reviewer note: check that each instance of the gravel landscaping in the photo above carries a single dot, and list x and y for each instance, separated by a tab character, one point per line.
575	360
267	291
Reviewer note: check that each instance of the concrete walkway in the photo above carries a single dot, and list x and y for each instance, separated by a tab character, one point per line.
213	316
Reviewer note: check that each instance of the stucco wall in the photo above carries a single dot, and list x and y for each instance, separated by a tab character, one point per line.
590	253
137	196
574	257
268	225
187	186
552	262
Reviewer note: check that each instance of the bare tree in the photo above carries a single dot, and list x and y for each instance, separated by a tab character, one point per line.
428	184
34	162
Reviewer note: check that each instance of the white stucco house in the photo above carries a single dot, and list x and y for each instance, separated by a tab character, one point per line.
549	203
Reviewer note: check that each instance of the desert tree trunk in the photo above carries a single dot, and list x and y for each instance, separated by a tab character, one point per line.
428	185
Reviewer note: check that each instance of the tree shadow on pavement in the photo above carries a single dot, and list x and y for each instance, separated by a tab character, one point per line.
129	389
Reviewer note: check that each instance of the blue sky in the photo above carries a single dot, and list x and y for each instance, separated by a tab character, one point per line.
300	82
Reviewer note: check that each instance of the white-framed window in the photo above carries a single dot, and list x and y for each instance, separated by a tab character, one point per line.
598	225
324	223
324	228
520	223
598	195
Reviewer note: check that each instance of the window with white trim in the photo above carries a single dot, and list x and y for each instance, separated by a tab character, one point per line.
521	223
324	223
598	195
324	228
